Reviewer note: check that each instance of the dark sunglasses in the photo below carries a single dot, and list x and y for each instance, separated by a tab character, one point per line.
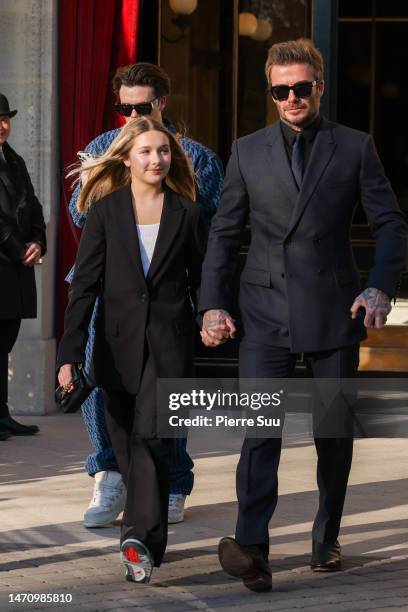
143	108
303	89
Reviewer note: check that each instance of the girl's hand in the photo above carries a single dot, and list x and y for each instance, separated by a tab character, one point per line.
65	377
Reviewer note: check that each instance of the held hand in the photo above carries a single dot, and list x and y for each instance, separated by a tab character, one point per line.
32	254
65	377
377	306
218	327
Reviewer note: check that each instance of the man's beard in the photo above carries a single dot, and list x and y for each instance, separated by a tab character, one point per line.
301	108
301	121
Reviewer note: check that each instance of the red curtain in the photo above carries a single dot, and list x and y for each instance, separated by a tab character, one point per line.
95	37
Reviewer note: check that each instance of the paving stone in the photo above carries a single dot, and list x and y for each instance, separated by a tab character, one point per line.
40	555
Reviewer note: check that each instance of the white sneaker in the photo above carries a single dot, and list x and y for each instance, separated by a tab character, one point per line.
108	500
176	507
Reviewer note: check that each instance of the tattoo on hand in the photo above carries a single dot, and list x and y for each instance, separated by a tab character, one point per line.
214	318
376	300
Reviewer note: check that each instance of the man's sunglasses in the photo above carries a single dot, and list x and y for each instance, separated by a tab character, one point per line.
303	89
143	108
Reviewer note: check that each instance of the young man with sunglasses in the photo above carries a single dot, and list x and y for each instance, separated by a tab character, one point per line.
298	181
141	89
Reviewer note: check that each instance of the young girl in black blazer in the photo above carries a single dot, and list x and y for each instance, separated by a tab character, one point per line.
140	253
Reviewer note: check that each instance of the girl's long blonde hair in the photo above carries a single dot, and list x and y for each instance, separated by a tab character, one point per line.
108	173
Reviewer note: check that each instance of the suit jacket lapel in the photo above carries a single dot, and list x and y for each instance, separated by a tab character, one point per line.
171	219
129	230
278	158
322	153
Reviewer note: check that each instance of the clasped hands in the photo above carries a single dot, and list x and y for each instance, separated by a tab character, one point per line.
218	327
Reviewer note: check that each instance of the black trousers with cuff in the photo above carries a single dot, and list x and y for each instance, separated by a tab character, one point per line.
257	471
143	460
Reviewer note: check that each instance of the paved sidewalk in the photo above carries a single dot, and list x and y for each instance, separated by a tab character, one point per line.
45	548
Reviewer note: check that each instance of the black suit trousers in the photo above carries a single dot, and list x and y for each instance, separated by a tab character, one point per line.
9	329
143	460
257	471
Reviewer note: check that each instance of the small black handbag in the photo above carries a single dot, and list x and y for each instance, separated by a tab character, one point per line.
71	401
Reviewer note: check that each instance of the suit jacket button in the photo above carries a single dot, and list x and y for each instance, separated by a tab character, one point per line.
282	275
143	297
320	271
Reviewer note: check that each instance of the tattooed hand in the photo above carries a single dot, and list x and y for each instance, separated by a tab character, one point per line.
377	306
218	327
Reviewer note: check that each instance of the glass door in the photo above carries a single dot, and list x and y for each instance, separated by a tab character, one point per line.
372	92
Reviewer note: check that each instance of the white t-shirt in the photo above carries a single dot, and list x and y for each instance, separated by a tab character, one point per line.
147	241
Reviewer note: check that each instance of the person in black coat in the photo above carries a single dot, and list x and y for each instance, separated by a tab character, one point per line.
22	243
298	182
140	252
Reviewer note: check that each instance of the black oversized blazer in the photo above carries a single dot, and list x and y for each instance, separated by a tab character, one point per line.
21	221
133	308
300	278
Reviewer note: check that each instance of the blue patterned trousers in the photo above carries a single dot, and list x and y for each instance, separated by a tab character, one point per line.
181	476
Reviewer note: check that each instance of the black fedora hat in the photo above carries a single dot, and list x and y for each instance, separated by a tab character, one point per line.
5	108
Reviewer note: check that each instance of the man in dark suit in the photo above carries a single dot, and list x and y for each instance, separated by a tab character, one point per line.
22	242
297	181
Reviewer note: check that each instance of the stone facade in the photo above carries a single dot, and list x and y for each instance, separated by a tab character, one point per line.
28	69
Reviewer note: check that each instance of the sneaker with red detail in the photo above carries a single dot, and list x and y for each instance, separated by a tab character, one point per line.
137	560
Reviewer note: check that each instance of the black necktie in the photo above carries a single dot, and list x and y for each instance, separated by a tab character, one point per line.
297	159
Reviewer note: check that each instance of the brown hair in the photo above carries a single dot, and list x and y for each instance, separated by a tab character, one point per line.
108	173
300	51
144	74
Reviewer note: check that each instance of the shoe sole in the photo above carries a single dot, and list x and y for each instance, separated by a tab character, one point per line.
233	560
324	569
259	584
89	524
238	564
137	572
174	522
96	525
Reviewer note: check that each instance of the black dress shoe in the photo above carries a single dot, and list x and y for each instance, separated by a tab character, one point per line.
17	429
4	434
249	563
326	557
